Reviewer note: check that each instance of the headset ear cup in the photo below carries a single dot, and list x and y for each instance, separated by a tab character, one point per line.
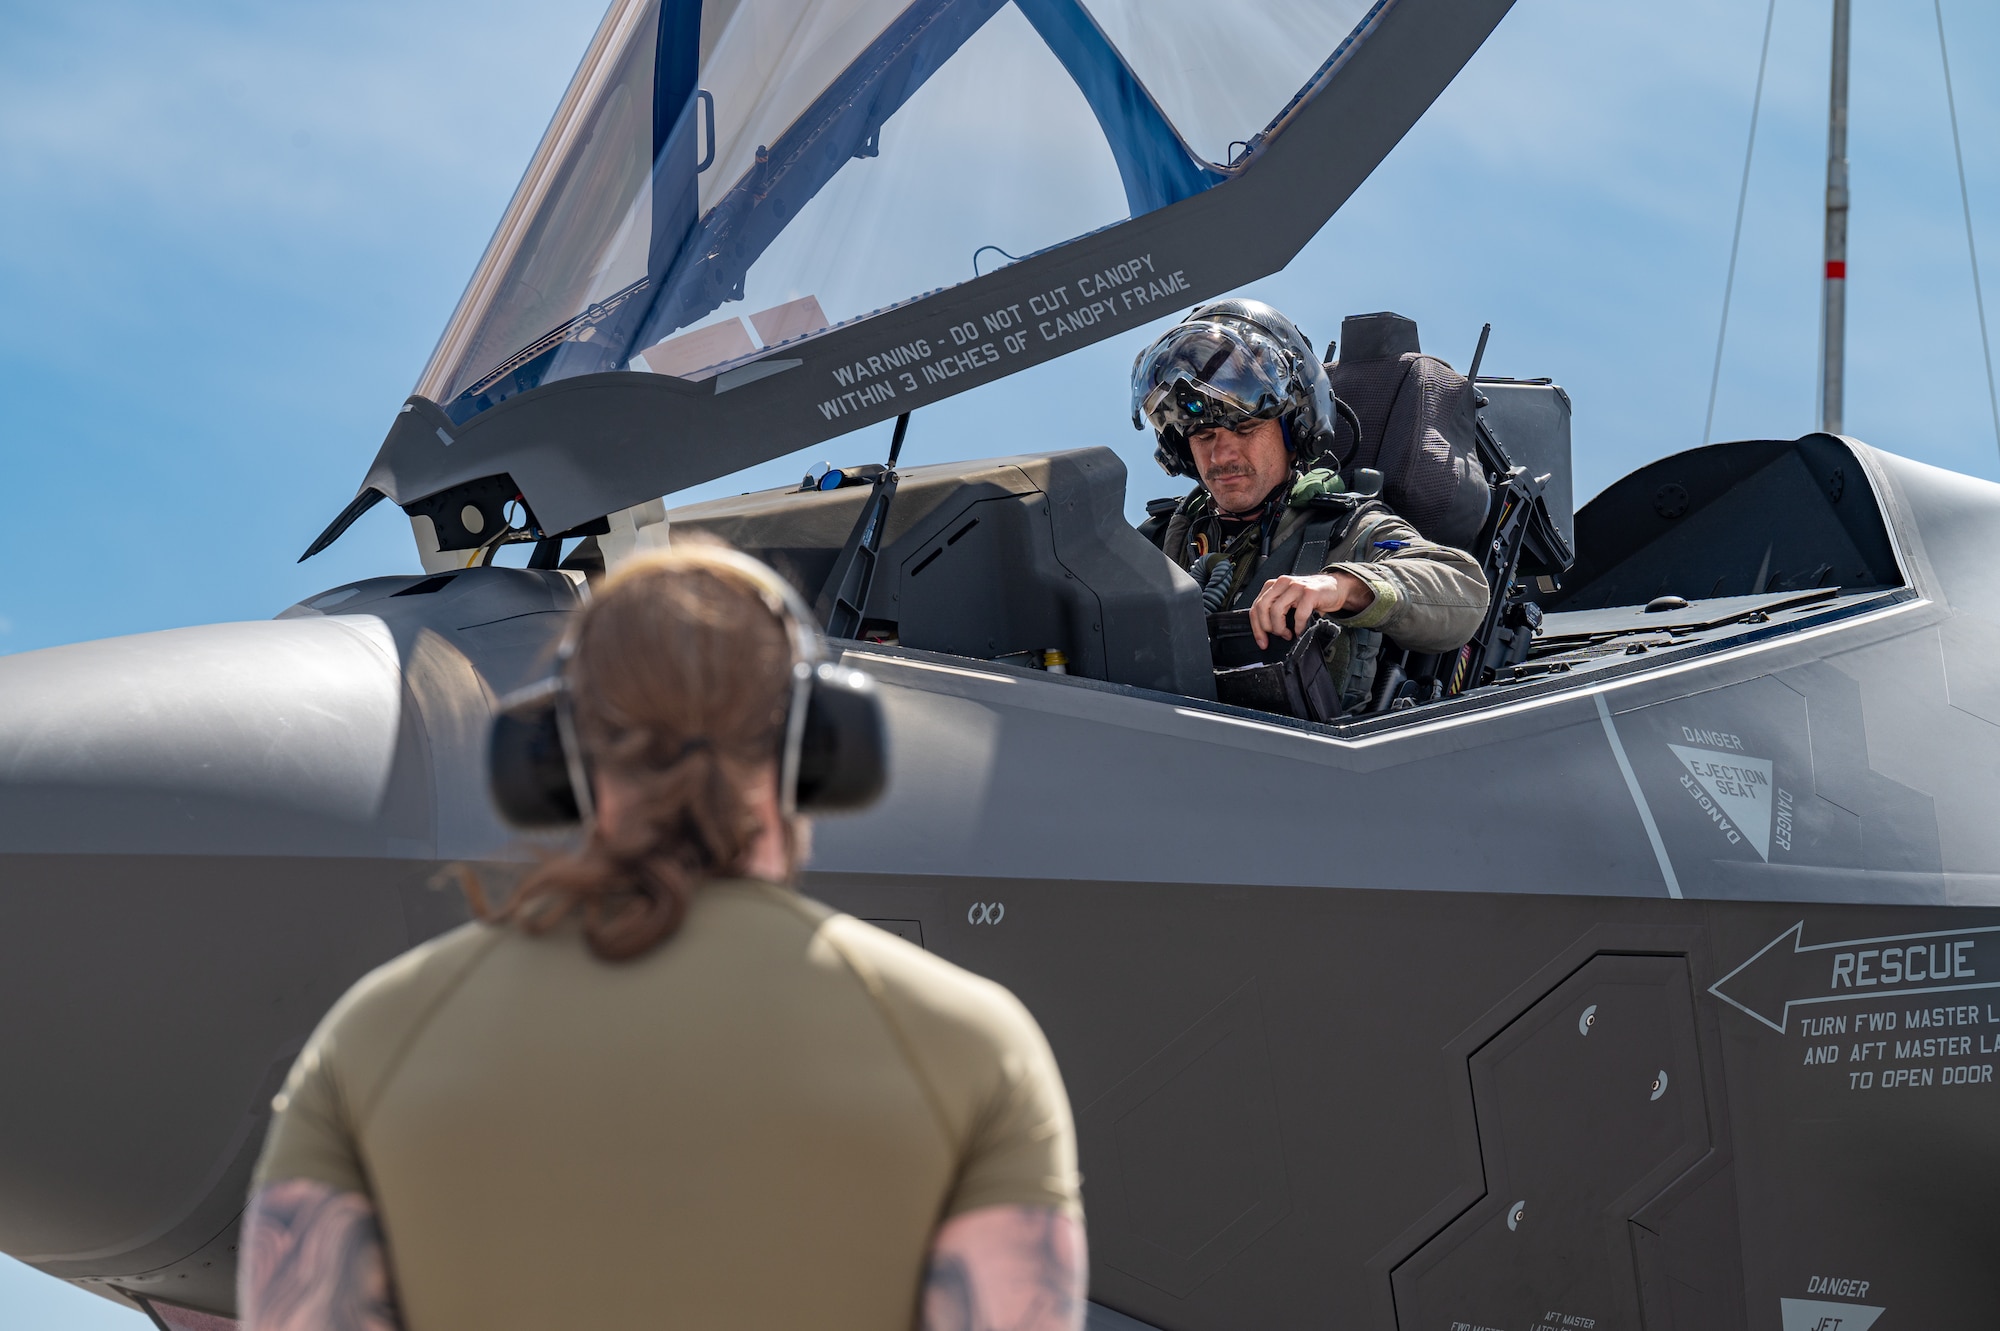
844	749
526	768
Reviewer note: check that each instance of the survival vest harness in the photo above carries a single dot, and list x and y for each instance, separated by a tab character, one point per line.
1193	524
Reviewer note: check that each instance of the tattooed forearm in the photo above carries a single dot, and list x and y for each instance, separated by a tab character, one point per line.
1007	1268
312	1260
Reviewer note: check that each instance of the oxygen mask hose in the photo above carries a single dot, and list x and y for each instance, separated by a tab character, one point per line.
1213	573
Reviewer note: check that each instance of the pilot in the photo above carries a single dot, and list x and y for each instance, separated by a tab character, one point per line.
1235	395
659	1086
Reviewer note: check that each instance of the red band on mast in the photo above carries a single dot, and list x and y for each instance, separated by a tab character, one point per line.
1836	270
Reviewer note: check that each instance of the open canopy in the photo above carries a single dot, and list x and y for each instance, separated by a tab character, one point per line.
807	164
831	211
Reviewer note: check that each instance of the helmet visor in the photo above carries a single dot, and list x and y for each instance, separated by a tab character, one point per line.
1210	374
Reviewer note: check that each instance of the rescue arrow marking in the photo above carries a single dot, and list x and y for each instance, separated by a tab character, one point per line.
1858	968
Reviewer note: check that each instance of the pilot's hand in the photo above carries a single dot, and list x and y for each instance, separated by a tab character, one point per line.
1286	603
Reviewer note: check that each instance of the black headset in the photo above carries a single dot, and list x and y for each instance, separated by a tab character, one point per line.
835	754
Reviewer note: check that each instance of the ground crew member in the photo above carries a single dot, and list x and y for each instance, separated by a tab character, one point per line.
1235	395
660	1088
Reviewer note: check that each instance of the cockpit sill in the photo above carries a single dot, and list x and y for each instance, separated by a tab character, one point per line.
532	606
1840	609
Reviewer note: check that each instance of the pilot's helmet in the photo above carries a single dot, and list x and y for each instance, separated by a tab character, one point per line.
1228	363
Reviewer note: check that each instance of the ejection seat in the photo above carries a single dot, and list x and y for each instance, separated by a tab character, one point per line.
1434	436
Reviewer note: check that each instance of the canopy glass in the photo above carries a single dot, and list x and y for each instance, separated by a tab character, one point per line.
730	176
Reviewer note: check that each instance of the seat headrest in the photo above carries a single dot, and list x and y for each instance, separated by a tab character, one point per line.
1383	336
1418	427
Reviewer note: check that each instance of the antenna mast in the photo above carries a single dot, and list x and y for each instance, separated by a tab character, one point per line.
1833	298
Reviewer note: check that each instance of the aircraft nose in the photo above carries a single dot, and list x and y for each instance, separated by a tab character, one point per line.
205	836
275	737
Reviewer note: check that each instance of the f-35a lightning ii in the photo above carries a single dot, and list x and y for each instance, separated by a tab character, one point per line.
1637	967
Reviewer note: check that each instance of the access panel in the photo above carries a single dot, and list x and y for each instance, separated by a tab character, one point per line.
1589	1106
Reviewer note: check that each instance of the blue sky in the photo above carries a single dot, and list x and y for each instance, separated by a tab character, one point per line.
230	233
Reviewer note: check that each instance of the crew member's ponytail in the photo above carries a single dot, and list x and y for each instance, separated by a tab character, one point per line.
679	682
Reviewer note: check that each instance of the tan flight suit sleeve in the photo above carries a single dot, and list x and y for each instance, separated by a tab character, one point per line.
310	1136
984	1065
1428	597
317	1119
1022	1149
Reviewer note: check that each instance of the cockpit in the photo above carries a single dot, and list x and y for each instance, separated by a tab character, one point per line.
1028	563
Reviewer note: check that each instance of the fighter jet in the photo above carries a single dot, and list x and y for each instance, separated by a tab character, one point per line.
1637	966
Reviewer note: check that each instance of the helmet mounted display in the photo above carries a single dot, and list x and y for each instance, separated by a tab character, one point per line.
1227	364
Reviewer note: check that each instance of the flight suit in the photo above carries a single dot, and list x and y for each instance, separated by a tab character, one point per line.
1428	597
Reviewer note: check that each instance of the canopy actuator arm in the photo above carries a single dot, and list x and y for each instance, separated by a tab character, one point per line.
845	596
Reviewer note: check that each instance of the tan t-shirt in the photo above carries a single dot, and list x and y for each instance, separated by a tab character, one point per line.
760	1124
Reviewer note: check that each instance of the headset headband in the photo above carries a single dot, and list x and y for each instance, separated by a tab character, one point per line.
808	651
